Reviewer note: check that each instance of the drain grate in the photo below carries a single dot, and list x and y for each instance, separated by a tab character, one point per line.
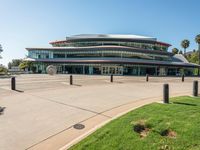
79	126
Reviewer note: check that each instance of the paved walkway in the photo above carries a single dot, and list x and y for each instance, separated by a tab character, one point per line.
42	113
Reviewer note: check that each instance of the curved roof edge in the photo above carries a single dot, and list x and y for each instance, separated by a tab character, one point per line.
110	36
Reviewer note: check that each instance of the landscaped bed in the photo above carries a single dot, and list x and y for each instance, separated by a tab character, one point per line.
174	126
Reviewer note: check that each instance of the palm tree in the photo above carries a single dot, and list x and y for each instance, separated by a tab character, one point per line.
197	39
185	44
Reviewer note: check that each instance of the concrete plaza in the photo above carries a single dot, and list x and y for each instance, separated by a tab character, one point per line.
41	113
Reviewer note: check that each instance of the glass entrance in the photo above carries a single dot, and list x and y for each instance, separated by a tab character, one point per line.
115	70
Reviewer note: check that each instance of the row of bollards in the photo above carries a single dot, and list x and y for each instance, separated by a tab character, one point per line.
111	78
166	91
165	87
13	82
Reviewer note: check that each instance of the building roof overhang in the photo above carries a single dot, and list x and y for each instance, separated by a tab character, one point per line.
121	61
122	48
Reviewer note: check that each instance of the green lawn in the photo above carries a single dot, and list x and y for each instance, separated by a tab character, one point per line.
182	116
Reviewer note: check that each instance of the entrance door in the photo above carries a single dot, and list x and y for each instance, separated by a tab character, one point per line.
115	70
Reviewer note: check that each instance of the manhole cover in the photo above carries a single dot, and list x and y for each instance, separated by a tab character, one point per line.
79	126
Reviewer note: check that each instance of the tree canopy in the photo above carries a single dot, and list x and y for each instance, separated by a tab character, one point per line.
14	63
193	57
175	51
185	44
3	70
197	39
25	64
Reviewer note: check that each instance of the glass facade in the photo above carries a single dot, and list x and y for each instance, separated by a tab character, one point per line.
116	69
64	54
136	56
140	45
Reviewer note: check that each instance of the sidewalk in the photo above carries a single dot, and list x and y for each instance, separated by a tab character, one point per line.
43	118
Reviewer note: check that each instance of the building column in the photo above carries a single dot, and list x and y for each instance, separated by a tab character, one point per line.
43	68
90	69
83	69
156	69
166	71
138	70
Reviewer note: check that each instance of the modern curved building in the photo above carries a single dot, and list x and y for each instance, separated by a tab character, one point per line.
107	54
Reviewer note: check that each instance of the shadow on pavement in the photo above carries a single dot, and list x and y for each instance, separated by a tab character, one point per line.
2	110
76	84
19	91
181	103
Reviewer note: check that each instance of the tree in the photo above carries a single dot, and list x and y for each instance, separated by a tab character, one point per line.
14	63
180	52
185	44
175	51
197	39
193	57
9	65
25	64
3	70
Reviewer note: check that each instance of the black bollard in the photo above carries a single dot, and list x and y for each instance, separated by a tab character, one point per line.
111	78
13	83
71	80
166	93
147	77
183	78
195	88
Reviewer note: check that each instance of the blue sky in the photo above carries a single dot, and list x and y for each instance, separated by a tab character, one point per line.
34	23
